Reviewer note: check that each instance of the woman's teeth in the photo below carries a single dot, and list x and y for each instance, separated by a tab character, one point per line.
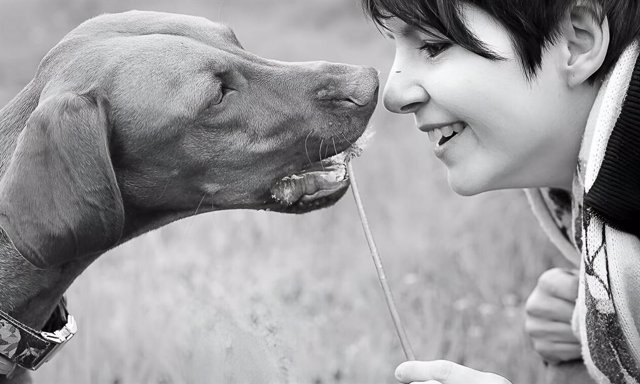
443	134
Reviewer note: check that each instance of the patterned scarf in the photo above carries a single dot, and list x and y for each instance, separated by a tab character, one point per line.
597	227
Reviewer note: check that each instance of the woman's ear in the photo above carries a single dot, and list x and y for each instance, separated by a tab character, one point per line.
587	41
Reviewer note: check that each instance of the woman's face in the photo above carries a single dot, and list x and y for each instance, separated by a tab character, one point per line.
508	131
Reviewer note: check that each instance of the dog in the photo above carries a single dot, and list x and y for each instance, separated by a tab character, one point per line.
138	119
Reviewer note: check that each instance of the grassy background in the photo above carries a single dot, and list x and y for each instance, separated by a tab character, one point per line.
254	297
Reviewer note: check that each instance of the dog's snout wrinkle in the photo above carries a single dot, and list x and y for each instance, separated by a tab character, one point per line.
355	88
352	101
358	101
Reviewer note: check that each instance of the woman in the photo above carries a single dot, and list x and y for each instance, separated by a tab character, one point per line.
539	95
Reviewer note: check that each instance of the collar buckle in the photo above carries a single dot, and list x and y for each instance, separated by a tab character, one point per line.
58	339
29	348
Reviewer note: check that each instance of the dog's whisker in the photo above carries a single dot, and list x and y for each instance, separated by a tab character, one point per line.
200	203
306	150
320	153
164	189
346	139
335	150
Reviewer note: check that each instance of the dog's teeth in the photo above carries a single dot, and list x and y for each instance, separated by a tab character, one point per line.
447	131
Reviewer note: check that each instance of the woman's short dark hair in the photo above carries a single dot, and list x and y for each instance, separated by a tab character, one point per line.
532	24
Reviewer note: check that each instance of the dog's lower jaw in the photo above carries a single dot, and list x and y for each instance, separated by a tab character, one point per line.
305	205
312	185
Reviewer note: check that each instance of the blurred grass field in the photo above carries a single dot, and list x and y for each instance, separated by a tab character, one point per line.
254	297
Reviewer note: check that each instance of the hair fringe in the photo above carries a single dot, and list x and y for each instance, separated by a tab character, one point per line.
533	25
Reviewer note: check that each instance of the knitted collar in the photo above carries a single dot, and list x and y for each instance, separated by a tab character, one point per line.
558	211
614	187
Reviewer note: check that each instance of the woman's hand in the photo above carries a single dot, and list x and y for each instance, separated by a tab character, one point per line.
549	310
444	372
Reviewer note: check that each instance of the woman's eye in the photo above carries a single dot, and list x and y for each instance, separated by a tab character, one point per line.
433	49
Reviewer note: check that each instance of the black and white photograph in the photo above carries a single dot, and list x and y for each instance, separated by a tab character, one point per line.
319	192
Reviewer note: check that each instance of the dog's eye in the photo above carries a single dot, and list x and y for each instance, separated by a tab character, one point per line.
220	95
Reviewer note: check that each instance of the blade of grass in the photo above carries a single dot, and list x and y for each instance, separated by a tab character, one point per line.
402	335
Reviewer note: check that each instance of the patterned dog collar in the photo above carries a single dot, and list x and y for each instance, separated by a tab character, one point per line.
30	348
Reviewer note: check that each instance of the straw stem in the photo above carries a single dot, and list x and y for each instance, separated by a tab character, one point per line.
402	335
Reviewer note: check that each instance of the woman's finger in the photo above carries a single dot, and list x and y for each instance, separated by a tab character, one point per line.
552	331
444	372
560	283
541	305
558	352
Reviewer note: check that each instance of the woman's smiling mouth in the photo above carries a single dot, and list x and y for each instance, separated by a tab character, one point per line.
442	133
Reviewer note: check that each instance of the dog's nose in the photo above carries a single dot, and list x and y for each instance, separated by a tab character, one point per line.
349	86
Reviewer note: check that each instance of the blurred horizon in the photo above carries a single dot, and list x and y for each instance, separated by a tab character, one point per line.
257	297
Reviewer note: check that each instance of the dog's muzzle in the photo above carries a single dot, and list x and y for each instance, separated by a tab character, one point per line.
319	185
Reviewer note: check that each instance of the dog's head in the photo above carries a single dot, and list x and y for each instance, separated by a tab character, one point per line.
145	117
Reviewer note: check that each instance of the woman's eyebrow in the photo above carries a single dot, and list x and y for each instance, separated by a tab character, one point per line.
409	31
404	30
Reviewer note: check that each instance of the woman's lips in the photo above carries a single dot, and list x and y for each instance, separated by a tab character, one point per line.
443	133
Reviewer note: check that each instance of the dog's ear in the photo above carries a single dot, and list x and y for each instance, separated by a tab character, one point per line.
59	199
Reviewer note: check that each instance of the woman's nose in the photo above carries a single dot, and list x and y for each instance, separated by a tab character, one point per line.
403	94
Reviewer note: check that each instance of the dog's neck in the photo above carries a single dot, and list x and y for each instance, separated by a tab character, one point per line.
30	294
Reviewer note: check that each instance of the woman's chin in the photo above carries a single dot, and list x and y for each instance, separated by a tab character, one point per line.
465	186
